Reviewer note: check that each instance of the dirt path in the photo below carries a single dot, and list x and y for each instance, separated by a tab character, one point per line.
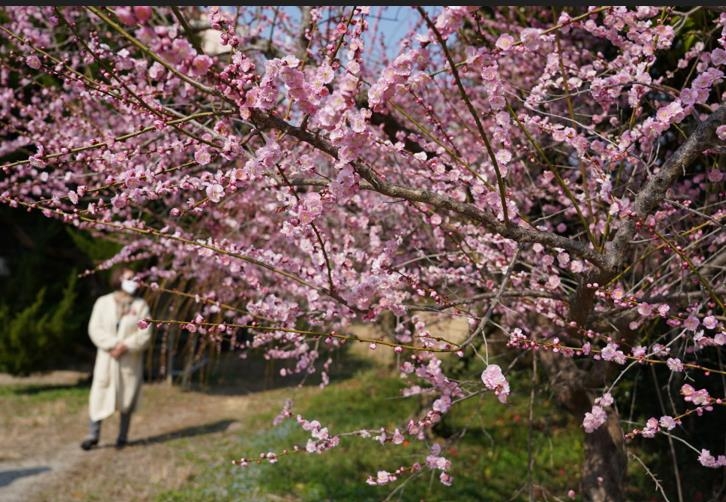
41	460
23	479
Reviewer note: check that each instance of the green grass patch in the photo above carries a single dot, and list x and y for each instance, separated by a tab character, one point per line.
28	396
486	441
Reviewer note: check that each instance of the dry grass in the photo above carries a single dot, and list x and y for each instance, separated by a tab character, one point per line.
45	425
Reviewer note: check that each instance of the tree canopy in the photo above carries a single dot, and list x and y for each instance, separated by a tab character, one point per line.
552	175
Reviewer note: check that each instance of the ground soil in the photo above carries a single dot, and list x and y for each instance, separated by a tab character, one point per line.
41	458
40	455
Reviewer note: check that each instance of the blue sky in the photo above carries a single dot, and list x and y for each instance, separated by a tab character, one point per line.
393	22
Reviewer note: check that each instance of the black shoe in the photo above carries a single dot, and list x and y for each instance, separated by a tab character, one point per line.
120	443
89	443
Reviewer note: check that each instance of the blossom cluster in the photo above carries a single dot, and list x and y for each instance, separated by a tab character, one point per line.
557	180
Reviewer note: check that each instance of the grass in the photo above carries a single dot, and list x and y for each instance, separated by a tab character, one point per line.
485	440
23	399
232	413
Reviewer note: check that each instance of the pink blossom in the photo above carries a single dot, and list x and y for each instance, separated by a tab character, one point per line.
450	20
530	37
397	437
142	13
157	71
660	350
718	57
663	309
505	42
605	400
442	404
345	184
577	266
200	65
384	477
497	102
710	322
691	323
721	132
503	156
594	419
202	156
669	112
715	175
617	293
689	97
610	353
126	16
446	478
707	459
33	61
435	461
311	208
489	73
645	309
494	379
553	282
215	192
325	74
650	429
667	422
674	364
697	397
142	324
181	49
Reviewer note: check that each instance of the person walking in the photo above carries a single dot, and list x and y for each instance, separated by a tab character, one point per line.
118	371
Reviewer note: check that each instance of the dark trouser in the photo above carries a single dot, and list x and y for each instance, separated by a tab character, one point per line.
94	428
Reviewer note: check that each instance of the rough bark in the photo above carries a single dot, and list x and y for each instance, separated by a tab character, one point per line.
605	459
605	463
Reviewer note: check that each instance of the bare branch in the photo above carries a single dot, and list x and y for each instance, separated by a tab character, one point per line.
654	191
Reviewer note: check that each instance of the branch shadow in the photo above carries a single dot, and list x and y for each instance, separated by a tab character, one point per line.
187	432
7	477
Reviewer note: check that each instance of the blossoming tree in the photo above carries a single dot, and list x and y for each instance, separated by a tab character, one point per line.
554	177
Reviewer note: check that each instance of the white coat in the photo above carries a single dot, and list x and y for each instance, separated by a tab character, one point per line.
116	383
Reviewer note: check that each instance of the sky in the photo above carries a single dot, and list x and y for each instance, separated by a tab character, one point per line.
392	21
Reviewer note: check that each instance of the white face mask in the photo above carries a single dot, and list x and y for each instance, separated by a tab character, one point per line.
129	286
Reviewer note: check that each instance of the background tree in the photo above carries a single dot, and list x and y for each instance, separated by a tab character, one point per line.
554	176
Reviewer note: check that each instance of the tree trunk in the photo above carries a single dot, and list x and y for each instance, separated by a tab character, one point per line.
605	461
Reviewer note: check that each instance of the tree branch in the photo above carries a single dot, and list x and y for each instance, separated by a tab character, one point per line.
470	211
654	191
472	111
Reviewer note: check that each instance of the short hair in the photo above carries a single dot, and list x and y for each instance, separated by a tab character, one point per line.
116	277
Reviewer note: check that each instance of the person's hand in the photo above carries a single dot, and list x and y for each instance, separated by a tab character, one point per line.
119	350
